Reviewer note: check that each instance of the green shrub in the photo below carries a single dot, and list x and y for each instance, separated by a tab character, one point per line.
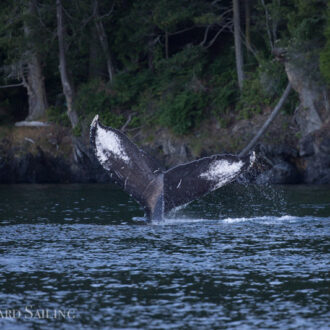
291	103
111	119
92	98
252	97
171	96
222	85
304	21
179	69
96	98
58	116
224	92
145	108
272	77
262	88
183	111
77	131
128	85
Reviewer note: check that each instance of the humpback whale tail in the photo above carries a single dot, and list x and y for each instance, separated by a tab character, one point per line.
157	190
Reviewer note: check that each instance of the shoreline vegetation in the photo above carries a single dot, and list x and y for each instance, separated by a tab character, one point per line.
181	79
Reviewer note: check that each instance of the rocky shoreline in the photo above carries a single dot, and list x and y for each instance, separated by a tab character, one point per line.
45	155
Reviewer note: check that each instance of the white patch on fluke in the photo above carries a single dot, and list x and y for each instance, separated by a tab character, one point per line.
252	159
221	171
96	118
108	142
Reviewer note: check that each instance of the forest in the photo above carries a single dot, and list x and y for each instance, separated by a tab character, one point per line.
203	76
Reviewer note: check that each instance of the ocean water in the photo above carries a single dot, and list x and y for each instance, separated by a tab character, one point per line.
244	257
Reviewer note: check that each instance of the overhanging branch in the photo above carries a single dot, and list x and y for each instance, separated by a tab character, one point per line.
12	85
267	122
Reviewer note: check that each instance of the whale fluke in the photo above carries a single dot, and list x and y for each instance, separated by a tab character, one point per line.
159	191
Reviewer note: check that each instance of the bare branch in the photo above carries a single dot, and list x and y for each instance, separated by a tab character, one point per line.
108	13
249	47
267	25
206	33
224	27
41	20
182	31
127	121
24	80
66	13
12	85
83	25
264	127
227	11
103	39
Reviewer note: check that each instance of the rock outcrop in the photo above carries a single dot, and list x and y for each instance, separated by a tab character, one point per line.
44	155
303	73
314	150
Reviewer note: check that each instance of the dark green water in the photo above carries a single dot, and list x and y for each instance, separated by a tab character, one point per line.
79	256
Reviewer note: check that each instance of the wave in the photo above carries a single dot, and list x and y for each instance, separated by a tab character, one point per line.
267	219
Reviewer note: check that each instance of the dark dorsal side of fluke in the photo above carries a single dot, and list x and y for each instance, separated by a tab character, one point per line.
159	191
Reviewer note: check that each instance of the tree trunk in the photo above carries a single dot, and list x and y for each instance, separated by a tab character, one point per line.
103	40
166	45
66	84
34	83
151	54
247	24
268	27
238	44
96	60
269	120
36	91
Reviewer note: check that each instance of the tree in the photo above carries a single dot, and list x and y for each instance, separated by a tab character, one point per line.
103	37
67	85
238	44
34	82
96	65
247	12
24	58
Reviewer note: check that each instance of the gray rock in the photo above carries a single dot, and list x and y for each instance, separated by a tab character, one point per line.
281	173
31	124
306	146
318	170
303	74
42	167
172	151
315	153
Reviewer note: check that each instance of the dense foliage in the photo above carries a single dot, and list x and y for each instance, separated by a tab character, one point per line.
173	62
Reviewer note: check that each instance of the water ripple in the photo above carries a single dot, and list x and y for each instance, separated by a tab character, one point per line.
224	269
